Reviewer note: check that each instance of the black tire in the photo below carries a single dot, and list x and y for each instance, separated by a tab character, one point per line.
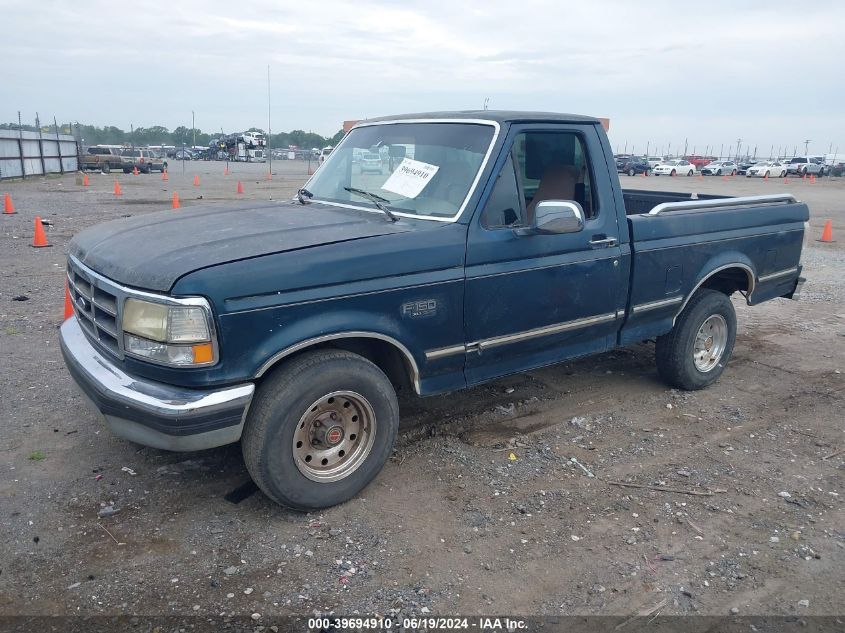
718	172
674	173
690	172
105	168
282	400
674	351
631	172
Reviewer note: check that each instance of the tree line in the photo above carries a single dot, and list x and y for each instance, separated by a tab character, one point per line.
160	135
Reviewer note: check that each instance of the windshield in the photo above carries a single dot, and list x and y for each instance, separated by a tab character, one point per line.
428	167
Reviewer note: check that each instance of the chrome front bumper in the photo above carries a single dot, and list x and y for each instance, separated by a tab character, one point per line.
153	413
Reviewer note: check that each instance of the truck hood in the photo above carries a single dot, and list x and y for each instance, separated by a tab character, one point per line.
151	252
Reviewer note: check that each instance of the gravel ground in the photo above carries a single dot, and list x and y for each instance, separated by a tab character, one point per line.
497	499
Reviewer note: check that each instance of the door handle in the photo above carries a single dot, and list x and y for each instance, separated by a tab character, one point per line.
606	242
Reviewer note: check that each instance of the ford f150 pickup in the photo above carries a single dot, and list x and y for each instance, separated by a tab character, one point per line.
495	243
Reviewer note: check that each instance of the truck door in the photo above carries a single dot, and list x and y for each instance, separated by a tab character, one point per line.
533	300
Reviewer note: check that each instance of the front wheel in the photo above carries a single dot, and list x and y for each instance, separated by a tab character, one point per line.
690	172
320	428
694	353
631	172
674	173
783	174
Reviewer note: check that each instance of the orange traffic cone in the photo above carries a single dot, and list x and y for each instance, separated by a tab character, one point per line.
68	303
240	187
766	176
813	179
117	190
84	180
175	200
827	232
8	207
226	171
804	176
269	175
724	179
39	240
785	179
134	171
700	176
196	181
164	175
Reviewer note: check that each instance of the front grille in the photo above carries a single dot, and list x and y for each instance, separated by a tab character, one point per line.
97	304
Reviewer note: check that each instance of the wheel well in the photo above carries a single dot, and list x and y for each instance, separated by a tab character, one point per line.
729	281
383	354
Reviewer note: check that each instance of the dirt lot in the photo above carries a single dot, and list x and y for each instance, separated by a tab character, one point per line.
486	506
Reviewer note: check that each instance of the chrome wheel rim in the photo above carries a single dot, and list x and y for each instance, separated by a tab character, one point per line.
334	436
710	343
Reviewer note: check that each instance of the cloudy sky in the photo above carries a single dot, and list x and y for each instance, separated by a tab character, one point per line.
769	72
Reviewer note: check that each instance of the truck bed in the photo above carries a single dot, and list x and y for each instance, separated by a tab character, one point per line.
753	243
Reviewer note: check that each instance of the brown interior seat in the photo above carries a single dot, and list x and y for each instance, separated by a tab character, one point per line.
558	183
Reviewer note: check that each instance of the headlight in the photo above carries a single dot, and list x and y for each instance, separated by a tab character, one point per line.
170	334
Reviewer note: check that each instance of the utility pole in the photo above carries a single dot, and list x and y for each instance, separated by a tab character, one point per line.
486	102
193	129
269	144
806	147
738	141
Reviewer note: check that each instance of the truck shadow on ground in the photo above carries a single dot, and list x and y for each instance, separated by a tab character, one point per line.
487	415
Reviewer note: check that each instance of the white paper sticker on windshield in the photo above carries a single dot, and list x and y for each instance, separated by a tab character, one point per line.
410	178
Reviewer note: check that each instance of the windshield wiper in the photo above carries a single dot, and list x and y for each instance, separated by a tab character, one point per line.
375	199
304	196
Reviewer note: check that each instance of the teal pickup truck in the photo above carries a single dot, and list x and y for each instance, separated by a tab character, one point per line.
490	243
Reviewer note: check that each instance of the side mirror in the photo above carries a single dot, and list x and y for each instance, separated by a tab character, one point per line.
552	217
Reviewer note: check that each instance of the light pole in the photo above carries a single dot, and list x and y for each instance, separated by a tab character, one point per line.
194	130
806	147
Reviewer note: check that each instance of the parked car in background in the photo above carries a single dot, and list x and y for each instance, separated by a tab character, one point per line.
744	165
679	167
324	154
838	170
698	161
720	168
144	159
766	169
632	166
371	162
654	161
805	166
183	154
104	158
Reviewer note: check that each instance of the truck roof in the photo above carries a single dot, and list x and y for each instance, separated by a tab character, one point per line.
499	116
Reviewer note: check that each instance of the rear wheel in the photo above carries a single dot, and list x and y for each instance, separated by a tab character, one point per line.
733	173
783	174
320	429
631	172
694	354
674	173
106	168
690	172
718	172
